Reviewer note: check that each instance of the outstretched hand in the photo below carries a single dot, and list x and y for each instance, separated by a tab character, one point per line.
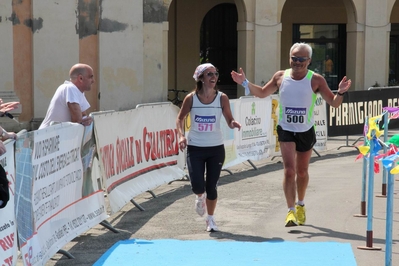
238	77
344	85
6	107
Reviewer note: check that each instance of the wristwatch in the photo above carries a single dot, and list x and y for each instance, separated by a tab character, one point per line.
4	134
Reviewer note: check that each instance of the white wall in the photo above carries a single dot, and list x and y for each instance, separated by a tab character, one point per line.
121	55
55	49
6	48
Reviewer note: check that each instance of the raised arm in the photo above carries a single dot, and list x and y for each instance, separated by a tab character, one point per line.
326	93
269	88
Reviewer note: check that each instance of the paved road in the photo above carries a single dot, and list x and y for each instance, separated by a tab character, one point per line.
252	207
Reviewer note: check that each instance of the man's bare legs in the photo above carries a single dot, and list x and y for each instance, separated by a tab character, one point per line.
296	179
296	175
302	174
289	186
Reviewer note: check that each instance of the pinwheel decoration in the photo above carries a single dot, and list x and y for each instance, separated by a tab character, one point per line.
372	132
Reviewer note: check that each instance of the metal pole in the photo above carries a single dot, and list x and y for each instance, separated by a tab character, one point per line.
369	233
389	220
384	171
364	177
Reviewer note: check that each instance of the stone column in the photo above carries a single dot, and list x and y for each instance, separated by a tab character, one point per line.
355	55
267	28
376	39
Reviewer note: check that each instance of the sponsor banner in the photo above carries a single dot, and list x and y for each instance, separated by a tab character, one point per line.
320	121
8	225
253	141
230	136
53	204
138	150
349	117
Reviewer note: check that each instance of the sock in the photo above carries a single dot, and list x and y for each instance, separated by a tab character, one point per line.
210	217
291	209
301	202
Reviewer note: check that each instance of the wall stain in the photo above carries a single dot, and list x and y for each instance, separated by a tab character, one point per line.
154	11
108	25
35	24
49	81
115	79
87	18
14	18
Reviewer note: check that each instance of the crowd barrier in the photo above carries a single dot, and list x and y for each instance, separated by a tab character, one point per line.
58	175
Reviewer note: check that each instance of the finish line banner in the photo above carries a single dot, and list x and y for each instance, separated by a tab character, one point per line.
52	204
138	150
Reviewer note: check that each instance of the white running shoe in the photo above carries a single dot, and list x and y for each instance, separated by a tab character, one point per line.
211	225
200	204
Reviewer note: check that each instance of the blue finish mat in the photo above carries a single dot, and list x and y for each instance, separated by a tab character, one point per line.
232	253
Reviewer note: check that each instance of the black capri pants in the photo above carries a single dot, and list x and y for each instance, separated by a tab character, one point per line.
200	159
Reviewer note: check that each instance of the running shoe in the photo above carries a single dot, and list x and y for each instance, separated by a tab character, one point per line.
300	214
200	204
291	219
211	225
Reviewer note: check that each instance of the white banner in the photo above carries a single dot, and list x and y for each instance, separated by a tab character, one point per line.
253	141
53	205
138	151
320	121
258	138
8	225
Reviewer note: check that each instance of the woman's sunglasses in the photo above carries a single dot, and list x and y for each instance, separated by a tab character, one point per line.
211	74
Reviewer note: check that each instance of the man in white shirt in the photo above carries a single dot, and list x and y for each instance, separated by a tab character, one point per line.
69	103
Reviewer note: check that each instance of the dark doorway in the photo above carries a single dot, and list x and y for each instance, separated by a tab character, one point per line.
394	56
218	44
329	49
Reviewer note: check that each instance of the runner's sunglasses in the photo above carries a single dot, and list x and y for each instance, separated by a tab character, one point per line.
300	59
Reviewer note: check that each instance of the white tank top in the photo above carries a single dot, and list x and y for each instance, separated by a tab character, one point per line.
297	101
205	123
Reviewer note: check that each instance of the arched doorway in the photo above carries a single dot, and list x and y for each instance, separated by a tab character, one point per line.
218	44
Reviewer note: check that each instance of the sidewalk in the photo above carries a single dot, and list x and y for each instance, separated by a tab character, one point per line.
252	207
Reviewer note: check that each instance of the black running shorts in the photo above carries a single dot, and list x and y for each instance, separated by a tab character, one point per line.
304	140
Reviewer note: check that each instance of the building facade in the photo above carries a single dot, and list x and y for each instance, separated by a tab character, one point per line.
140	49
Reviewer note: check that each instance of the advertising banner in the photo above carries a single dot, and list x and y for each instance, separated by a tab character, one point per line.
8	225
53	205
320	121
138	151
349	117
253	141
